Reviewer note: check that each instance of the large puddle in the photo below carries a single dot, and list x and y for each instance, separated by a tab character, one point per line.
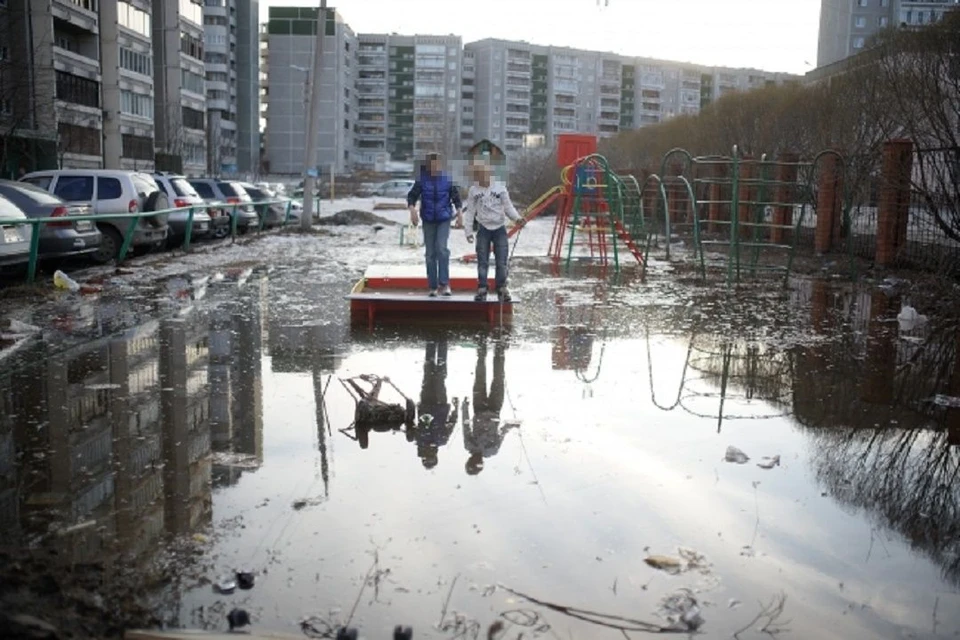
558	457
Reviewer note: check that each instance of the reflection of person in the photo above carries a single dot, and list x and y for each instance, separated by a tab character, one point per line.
438	198
435	421
488	203
483	435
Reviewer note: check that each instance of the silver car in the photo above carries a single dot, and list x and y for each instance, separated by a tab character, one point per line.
111	191
393	189
182	194
14	239
57	239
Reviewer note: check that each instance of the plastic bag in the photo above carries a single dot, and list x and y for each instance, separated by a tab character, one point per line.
63	281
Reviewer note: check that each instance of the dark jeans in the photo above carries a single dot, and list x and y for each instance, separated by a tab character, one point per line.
498	239
435	238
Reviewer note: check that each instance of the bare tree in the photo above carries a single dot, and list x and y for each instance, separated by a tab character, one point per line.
532	173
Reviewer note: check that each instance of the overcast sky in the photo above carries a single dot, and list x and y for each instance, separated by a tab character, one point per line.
775	35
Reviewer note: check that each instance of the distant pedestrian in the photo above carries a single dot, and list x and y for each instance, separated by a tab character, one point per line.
488	203
439	200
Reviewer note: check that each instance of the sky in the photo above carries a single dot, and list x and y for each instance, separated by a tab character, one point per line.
774	35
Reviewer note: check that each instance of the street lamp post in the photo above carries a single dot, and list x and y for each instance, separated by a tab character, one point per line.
310	161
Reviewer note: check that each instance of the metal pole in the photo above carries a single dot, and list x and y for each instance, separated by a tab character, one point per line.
310	155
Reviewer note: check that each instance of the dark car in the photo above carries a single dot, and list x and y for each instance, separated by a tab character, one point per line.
59	239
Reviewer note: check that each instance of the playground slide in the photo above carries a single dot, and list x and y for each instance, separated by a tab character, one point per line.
539	205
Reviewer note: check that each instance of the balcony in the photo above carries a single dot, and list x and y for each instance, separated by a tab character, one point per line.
610	116
72	62
79	13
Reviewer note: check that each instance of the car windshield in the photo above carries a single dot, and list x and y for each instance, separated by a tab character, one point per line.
144	184
9	211
32	193
183	188
233	189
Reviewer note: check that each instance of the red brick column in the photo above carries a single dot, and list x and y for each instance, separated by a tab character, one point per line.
715	209
894	209
786	177
881	362
829	203
746	191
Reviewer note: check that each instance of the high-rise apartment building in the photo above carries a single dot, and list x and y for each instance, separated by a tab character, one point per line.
247	60
179	86
290	39
76	84
220	48
846	26
408	96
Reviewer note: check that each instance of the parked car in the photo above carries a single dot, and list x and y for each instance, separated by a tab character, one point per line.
393	189
182	194
230	193
57	239
273	215
14	239
110	191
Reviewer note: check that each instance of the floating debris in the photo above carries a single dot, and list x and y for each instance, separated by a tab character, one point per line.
245	579
688	560
225	585
238	618
681	611
736	456
769	463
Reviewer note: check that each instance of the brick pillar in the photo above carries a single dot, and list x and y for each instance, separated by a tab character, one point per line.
746	192
715	209
894	200
828	204
881	361
785	175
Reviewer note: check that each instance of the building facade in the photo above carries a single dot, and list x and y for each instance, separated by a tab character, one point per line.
248	86
180	86
290	39
846	26
220	70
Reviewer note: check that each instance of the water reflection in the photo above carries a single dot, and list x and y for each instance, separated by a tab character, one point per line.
436	414
483	433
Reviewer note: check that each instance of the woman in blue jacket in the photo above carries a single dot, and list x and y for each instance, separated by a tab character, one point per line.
439	199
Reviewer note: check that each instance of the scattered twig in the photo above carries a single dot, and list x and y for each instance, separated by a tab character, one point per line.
770	613
446	603
366	578
536	480
602	619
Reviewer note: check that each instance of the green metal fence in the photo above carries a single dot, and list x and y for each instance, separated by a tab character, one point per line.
36	224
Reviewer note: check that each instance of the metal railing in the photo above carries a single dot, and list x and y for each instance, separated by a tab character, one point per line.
260	206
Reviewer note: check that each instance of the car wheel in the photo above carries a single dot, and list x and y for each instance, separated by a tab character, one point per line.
110	243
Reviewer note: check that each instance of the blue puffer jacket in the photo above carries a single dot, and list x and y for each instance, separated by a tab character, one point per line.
438	197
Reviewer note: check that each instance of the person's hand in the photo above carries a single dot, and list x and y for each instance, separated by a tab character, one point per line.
470	239
414	218
459	222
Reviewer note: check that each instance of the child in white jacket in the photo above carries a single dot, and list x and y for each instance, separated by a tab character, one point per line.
488	204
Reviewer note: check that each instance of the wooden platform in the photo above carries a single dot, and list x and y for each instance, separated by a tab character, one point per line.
398	294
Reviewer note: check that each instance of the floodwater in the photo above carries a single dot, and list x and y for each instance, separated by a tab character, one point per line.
562	453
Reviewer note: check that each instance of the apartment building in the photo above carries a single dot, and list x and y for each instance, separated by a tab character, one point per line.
526	95
290	39
220	47
846	26
180	101
76	87
408	91
247	62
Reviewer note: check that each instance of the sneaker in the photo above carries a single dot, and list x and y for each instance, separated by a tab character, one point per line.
481	295
445	291
504	295
433	293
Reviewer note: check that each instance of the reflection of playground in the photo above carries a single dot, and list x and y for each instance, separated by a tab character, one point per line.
575	334
723	379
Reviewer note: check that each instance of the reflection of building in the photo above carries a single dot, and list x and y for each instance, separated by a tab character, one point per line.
138	454
184	396
236	386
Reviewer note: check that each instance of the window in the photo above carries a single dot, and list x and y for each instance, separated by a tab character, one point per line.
882	21
136	104
108	189
452	66
191	46
89	5
884	3
858	43
862	3
219	21
6	107
136	62
137	147
204	189
192	11
192	119
192	81
133	18
861	22
78	90
75	188
183	188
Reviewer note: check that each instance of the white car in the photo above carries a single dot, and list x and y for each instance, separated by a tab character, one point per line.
393	189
